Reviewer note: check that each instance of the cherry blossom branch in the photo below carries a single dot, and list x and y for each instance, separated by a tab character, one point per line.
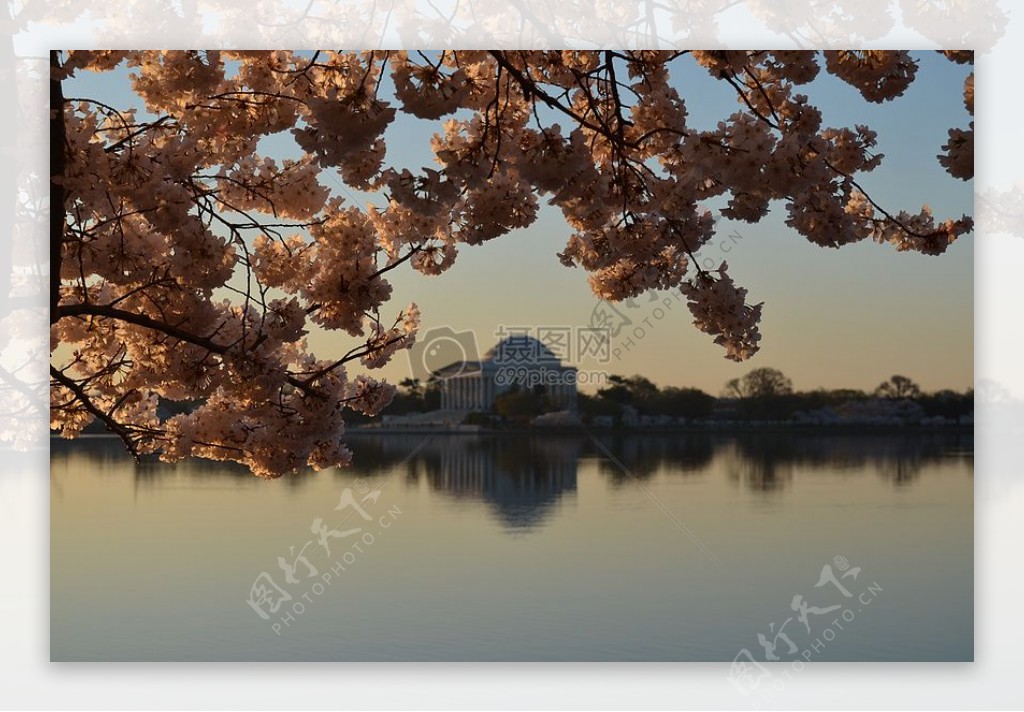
530	88
888	216
112	424
896	221
73	310
312	308
152	242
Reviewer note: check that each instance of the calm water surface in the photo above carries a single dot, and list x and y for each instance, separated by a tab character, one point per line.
667	547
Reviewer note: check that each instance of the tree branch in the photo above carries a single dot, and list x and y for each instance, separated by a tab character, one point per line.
58	159
83	398
110	312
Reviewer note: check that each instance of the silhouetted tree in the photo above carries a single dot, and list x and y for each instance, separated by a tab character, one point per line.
947	403
679	402
432	394
520	405
628	391
759	383
643	395
898	387
412	387
593	406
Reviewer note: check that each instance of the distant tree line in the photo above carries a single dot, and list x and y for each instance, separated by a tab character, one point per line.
767	394
645	398
762	394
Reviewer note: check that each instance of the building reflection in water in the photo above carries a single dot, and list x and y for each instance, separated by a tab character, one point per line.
521	478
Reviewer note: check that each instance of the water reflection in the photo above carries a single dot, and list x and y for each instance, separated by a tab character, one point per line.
765	462
522	477
643	456
518	547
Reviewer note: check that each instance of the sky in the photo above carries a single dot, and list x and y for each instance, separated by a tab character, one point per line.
846	318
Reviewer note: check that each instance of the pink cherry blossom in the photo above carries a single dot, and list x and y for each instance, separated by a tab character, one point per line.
192	266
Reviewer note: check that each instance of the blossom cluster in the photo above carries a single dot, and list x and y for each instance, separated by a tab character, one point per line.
193	266
719	308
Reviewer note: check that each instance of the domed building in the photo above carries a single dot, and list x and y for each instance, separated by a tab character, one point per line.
516	362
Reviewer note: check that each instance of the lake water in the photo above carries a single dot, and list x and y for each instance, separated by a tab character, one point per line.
506	547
